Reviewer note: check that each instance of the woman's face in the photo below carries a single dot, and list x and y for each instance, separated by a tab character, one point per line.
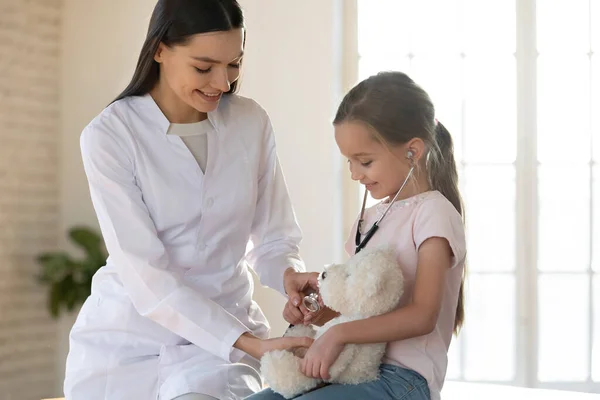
201	70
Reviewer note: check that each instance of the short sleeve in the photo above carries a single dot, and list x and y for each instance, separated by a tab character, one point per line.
437	217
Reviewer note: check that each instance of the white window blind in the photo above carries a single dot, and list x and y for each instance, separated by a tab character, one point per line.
517	83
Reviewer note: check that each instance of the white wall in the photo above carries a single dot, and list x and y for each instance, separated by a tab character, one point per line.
99	49
292	68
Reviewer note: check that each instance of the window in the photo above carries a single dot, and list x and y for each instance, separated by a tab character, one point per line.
518	86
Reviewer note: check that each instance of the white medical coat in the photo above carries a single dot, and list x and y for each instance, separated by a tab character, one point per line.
174	296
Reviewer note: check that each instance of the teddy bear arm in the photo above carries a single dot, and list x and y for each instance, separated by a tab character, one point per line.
281	371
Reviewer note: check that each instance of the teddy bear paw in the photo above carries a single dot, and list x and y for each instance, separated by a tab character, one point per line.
281	371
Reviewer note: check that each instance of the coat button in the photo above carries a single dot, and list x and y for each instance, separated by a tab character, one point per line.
210	202
202	246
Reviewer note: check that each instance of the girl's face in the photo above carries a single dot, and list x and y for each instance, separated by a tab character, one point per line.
382	169
200	71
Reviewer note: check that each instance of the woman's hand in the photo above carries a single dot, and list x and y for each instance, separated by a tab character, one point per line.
322	354
257	347
294	315
298	284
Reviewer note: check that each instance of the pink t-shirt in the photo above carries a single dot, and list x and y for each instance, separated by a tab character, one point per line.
407	225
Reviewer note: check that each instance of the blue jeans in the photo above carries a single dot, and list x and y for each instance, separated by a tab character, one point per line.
394	383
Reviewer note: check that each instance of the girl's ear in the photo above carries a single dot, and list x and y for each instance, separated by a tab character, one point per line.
416	148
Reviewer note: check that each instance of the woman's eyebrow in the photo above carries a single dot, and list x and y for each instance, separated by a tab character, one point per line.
212	60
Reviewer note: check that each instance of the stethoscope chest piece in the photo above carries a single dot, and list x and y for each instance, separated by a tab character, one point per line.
311	302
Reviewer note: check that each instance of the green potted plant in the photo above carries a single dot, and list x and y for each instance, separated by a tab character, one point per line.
69	279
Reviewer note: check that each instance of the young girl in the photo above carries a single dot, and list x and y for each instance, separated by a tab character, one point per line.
386	127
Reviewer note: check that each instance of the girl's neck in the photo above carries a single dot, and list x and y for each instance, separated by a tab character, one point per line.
174	109
414	187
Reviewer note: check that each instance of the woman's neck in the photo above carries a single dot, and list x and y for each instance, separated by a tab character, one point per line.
174	109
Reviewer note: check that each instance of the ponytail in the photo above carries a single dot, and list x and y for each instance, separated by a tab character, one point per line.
399	110
443	177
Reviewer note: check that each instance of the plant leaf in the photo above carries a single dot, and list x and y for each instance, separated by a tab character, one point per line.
71	297
69	280
89	268
93	246
55	266
54	300
87	239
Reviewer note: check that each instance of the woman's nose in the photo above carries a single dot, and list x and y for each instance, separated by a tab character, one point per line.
221	81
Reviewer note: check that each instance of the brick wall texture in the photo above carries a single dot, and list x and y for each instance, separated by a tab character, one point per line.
29	144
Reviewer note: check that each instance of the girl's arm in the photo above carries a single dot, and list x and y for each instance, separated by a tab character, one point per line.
415	319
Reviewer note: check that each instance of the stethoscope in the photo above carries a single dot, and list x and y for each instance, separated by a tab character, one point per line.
311	301
360	244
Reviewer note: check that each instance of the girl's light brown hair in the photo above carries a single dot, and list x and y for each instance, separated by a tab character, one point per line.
399	110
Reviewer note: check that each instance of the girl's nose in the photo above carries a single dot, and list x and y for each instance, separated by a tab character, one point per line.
355	174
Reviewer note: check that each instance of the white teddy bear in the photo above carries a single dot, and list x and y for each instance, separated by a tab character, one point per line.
369	284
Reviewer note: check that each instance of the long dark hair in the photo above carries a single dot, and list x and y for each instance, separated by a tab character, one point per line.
172	23
399	110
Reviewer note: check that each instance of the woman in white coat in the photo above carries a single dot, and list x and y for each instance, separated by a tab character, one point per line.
182	174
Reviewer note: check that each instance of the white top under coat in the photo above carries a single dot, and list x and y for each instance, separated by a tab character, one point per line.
175	295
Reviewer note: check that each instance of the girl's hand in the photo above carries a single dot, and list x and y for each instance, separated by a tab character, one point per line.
322	354
257	348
